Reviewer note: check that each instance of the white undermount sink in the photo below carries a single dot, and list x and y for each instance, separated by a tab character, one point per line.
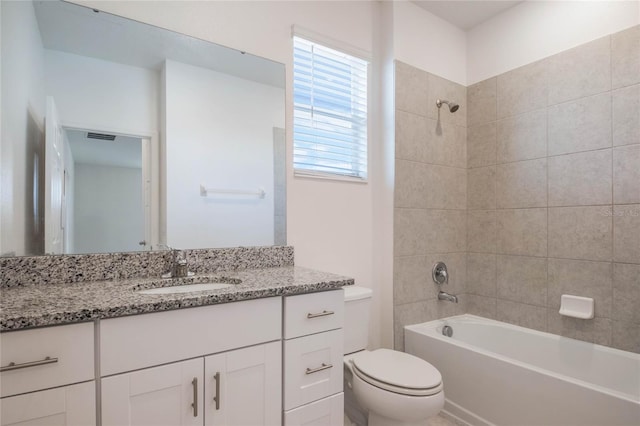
185	288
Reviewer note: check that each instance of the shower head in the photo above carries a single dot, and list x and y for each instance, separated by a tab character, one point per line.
453	107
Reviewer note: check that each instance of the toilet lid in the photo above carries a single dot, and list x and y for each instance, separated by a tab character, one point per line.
393	369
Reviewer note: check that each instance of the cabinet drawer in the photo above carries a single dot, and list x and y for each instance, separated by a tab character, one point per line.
313	368
326	412
147	340
73	405
313	313
68	347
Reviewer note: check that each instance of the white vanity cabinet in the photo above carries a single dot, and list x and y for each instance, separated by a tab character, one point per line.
47	376
165	395
313	352
182	367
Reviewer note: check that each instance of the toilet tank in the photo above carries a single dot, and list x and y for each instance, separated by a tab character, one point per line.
357	305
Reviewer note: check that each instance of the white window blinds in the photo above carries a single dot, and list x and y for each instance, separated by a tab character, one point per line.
330	112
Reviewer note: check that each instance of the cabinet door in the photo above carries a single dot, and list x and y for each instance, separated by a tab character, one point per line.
243	387
168	395
73	405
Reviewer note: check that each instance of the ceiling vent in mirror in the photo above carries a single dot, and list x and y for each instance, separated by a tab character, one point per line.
101	136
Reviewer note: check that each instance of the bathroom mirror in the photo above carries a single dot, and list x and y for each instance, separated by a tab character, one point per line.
122	136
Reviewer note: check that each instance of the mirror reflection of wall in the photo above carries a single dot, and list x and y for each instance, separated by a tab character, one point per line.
206	113
105	193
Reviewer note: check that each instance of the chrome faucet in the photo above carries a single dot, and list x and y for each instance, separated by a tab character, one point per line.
179	266
448	297
440	276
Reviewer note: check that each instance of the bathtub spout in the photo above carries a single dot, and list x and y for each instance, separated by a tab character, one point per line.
448	297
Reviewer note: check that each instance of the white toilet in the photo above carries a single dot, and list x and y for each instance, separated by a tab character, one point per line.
389	387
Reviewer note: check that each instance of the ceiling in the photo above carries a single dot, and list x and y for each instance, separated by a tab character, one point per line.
124	151
83	31
466	14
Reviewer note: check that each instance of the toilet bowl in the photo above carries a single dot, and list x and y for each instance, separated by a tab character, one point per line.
389	387
395	388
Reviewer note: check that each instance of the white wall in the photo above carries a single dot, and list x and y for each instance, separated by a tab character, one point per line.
534	30
23	105
428	42
108	209
103	95
329	223
219	133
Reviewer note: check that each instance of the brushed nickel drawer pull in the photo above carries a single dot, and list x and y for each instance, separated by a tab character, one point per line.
321	314
194	382
315	370
216	398
14	366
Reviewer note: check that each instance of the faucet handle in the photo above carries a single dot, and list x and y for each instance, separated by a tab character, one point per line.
439	273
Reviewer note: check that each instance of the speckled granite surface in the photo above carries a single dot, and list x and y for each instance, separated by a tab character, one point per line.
35	270
41	305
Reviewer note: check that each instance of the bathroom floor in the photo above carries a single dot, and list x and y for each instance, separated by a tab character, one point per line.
439	420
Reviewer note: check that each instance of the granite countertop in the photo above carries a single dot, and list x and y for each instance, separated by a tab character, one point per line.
51	304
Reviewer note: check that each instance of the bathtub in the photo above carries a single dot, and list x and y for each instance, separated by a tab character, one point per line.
501	374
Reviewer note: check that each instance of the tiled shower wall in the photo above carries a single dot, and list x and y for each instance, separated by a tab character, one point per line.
430	196
551	198
554	192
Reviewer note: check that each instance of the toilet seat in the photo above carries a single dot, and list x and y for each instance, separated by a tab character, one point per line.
397	372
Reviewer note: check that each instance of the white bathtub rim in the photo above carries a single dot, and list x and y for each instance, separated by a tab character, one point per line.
432	326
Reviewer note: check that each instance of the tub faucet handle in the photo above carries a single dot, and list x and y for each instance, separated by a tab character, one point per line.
439	273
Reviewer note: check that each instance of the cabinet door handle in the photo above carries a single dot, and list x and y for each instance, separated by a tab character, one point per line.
216	398
14	366
315	370
194	383
320	314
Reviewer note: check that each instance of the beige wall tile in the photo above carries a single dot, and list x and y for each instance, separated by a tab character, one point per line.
440	88
596	330
522	184
626	116
626	293
481	231
521	314
482	102
522	232
580	233
481	188
457	267
411	89
580	179
522	279
523	89
582	71
419	312
626	233
581	278
411	137
446	231
626	336
625	57
479	305
446	187
482	145
626	174
409	232
583	125
411	279
446	144
411	184
481	274
523	137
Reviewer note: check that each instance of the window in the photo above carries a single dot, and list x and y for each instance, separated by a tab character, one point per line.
329	113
